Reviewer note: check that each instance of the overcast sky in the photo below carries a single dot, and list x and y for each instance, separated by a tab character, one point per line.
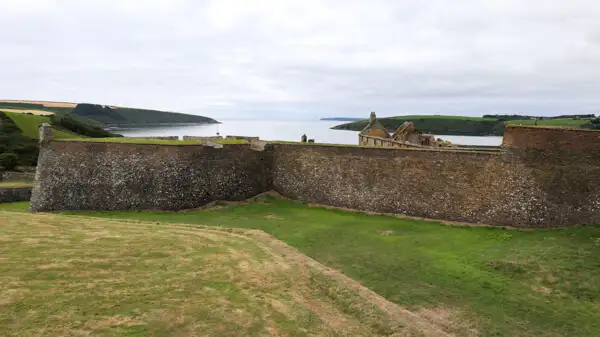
307	58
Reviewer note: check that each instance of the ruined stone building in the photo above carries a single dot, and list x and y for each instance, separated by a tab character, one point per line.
375	134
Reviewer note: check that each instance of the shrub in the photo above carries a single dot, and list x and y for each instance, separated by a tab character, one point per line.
74	124
8	161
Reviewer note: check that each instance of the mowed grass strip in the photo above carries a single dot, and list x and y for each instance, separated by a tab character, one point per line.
498	282
15	184
67	276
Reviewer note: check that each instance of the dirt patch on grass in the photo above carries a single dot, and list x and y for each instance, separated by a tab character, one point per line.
180	280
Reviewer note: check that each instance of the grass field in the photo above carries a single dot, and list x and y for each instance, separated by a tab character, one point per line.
562	122
493	281
74	276
30	111
44	103
15	184
448	117
29	125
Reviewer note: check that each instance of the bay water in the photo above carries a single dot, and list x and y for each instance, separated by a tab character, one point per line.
287	130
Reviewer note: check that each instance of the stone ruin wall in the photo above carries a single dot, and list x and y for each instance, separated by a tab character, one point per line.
520	186
364	140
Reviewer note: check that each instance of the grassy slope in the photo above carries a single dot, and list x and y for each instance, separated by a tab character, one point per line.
504	283
29	125
460	125
80	276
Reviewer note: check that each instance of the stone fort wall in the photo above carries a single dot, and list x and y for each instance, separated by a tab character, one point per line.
521	186
75	175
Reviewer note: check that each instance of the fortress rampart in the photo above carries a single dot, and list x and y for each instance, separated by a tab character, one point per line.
527	184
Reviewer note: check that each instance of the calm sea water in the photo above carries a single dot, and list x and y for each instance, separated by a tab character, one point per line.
281	130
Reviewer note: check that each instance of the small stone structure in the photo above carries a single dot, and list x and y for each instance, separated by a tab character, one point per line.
375	134
45	133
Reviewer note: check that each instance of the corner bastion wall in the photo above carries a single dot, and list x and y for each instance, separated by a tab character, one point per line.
524	185
74	175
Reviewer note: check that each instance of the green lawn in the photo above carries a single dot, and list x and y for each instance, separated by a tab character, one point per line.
499	282
29	125
562	122
74	276
449	117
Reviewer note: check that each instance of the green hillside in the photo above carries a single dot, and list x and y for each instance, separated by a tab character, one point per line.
103	115
29	126
19	132
466	126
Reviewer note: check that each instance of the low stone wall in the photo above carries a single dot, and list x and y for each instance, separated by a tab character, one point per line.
212	138
9	175
15	194
242	138
382	142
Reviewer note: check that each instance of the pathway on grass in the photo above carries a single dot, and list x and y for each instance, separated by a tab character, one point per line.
65	275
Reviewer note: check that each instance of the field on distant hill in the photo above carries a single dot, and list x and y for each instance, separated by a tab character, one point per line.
30	111
460	125
474	281
44	103
67	276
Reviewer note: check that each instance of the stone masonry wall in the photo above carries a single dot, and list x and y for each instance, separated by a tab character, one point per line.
523	185
119	176
452	185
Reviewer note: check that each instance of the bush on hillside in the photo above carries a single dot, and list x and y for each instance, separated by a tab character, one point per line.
75	125
8	161
12	141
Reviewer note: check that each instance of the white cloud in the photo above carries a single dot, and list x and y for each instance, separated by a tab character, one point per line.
306	58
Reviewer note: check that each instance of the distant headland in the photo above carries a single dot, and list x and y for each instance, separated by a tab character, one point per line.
487	125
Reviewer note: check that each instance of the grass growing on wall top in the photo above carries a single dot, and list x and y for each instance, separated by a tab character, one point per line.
15	184
133	140
498	282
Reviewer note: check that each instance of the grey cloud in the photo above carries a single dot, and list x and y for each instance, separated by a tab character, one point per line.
305	59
